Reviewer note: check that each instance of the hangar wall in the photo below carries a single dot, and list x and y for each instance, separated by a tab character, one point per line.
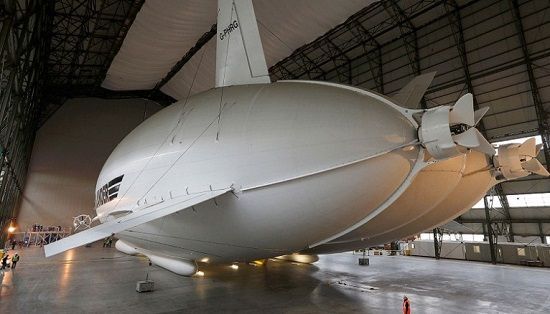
507	253
68	153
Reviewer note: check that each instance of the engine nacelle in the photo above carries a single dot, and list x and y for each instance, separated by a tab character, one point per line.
447	131
518	160
176	265
300	258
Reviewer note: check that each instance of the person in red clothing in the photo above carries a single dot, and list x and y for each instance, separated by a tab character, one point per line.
406	305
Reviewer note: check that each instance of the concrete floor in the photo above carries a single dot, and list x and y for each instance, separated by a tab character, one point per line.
102	280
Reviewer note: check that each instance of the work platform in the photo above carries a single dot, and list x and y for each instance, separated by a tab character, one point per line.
29	238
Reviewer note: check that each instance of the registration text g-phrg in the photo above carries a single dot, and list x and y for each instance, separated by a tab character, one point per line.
229	29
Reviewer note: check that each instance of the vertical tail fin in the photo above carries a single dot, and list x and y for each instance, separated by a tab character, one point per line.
411	95
239	56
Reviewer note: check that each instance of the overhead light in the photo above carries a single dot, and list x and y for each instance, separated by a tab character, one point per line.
11	229
205	259
234	266
200	273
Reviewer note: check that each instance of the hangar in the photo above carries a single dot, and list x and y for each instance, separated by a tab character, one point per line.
78	76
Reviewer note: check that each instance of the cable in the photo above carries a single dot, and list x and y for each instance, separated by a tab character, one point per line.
174	129
274	35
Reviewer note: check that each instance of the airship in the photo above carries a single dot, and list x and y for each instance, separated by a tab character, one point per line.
253	169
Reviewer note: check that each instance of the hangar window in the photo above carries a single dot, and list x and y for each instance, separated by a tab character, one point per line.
426	236
519	200
529	200
472	237
548	240
521	251
492	201
476	249
520	140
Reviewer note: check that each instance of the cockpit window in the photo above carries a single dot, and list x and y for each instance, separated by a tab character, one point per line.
108	192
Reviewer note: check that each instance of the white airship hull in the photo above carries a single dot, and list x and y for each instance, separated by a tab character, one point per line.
303	169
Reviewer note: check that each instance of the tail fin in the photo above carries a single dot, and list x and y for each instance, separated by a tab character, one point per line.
411	95
240	56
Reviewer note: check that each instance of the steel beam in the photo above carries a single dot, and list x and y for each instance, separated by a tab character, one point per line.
490	233
542	115
500	220
408	33
438	242
541	233
409	37
372	52
506	208
23	52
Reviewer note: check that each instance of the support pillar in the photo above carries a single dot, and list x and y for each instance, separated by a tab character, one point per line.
438	241
490	233
541	233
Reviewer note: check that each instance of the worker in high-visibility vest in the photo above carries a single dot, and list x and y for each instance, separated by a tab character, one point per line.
406	305
14	260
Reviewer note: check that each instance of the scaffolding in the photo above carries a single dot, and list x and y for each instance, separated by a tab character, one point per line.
40	238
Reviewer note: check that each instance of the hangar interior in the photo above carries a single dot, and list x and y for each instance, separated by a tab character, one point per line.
78	75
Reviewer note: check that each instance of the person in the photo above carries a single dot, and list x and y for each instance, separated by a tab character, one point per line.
13	244
406	305
110	240
5	261
14	260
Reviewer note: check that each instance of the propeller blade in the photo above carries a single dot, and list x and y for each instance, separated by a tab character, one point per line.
538	149
528	148
478	114
463	111
473	139
534	166
467	139
484	145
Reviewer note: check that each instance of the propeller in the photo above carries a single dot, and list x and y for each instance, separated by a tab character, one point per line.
519	160
449	131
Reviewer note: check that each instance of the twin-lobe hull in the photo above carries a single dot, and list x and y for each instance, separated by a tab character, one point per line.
274	220
475	180
307	161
